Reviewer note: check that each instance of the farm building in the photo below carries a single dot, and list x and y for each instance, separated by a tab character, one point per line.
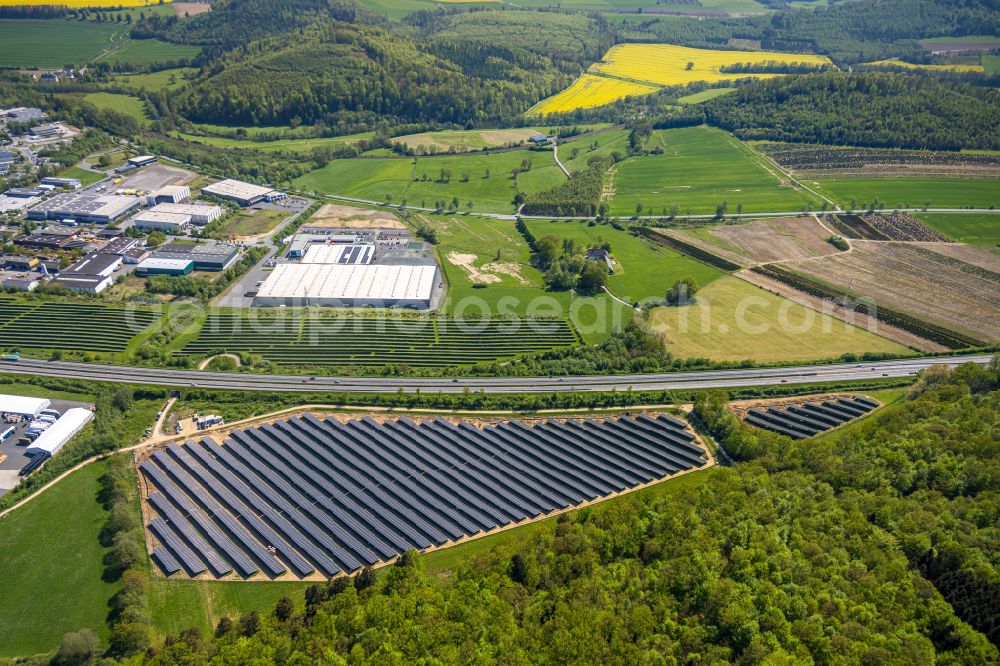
154	266
199	214
172	223
84	207
170	194
23	406
340	254
68	183
211	257
348	285
141	160
245	194
601	255
59	433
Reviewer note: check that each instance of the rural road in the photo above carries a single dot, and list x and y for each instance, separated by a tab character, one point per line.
734	378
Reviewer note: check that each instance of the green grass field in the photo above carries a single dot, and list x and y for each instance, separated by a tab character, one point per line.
130	106
645	269
734	320
705	95
403	179
51	567
85	176
991	63
171	79
252	222
700	168
912	192
972	228
280	146
148	52
53	43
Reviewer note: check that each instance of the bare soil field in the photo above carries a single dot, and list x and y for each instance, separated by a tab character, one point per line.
913	279
335	216
191	8
971	254
858	319
778	240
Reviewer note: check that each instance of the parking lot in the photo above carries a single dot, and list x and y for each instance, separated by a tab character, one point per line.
12	450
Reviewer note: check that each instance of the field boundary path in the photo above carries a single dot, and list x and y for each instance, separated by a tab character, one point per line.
555	155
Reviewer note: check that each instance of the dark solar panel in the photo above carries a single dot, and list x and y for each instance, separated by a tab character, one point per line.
329	496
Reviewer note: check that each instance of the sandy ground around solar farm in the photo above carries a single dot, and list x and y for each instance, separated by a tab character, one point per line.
335	216
487	273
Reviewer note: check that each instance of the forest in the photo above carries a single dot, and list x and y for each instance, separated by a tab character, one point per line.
876	110
833	550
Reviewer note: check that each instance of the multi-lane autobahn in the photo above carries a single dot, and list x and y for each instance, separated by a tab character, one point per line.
805	374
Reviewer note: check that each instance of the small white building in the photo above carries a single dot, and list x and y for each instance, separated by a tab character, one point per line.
23	406
59	433
84	284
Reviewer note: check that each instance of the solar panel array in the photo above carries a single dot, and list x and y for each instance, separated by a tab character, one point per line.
308	496
811	418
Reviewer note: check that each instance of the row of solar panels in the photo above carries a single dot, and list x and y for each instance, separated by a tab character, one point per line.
811	418
306	495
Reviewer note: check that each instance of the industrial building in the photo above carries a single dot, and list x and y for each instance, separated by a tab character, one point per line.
348	285
25	282
83	283
171	223
47	131
120	245
23	406
209	257
97	264
19	263
135	255
24	192
170	194
51	240
68	183
9	203
157	266
85	207
245	194
340	254
21	114
141	160
59	433
197	214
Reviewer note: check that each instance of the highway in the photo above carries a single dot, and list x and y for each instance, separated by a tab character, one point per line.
805	374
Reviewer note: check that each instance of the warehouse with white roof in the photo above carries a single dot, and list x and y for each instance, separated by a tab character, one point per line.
245	194
348	285
22	405
340	254
55	437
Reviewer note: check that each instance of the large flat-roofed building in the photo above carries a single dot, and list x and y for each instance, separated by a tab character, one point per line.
84	207
245	194
348	285
141	160
153	266
340	254
9	203
22	405
170	194
68	183
24	192
120	245
84	283
213	257
200	214
97	264
173	223
51	240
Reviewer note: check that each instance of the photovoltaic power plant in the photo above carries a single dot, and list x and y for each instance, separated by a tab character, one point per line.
811	418
305	497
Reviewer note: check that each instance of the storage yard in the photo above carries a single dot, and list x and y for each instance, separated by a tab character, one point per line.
310	498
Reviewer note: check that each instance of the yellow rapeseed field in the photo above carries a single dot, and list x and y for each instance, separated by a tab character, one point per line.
76	4
639	69
936	68
589	91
